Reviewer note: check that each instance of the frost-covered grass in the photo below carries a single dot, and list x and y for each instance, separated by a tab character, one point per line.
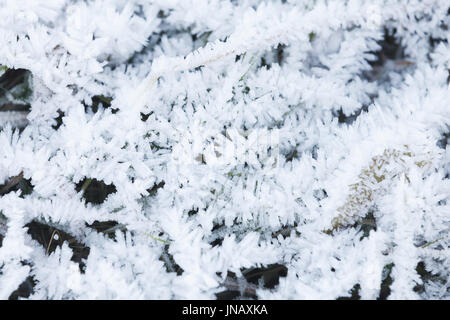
193	149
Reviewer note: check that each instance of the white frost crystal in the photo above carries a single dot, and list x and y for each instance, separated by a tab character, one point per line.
218	137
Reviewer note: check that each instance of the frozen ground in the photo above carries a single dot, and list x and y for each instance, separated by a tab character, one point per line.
224	149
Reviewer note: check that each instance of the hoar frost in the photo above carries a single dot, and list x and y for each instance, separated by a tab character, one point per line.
188	149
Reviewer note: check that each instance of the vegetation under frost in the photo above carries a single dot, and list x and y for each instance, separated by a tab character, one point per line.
224	149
